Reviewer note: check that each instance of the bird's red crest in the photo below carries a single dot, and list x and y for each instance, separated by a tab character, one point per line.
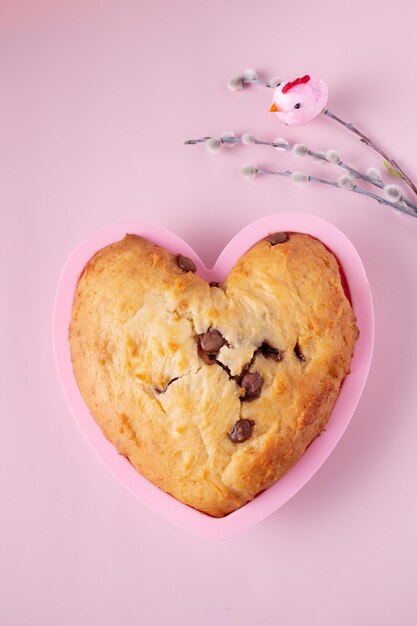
297	81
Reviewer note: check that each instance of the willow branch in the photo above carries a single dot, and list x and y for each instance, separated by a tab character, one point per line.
319	157
355	189
374	146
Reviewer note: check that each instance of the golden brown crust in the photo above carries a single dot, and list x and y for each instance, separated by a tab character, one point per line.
136	320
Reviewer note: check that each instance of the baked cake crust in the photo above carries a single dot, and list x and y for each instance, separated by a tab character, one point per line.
186	418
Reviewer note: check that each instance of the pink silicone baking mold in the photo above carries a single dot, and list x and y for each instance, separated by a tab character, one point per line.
270	500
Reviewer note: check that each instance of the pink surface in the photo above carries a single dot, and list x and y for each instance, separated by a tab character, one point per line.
271	499
97	99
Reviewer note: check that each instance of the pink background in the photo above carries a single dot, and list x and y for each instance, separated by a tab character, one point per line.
97	98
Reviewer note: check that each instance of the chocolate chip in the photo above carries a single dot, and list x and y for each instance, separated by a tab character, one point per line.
211	341
298	353
209	359
252	383
214	284
275	238
185	263
242	430
271	353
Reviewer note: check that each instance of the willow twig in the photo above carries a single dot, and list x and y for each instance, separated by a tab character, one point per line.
374	146
317	156
306	178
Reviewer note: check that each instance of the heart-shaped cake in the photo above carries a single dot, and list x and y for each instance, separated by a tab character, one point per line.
212	391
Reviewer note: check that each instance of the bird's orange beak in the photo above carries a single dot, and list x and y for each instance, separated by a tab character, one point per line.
274	108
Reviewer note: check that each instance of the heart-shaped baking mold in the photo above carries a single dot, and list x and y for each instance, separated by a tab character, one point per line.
225	374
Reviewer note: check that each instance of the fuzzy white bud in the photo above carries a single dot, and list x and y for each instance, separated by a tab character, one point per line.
281	144
346	181
393	193
333	156
213	144
225	135
249	171
299	177
247	139
235	83
274	81
250	74
375	174
300	149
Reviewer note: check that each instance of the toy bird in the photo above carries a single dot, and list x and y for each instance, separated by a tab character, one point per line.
299	101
